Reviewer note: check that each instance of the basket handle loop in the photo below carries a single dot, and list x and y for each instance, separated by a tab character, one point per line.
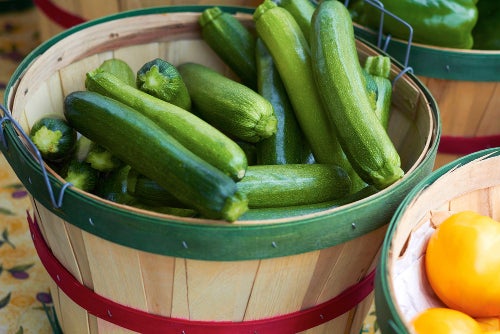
380	6
8	116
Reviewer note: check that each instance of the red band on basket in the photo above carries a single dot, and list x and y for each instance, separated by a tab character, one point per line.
60	16
143	322
467	145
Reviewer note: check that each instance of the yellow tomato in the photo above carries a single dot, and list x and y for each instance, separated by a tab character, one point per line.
489	325
463	264
445	321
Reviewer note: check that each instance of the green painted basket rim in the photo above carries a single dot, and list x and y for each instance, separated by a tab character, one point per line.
219	242
385	308
442	63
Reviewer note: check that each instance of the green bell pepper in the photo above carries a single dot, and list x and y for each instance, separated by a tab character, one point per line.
486	33
444	23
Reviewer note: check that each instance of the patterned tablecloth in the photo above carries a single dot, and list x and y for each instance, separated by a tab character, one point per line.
25	302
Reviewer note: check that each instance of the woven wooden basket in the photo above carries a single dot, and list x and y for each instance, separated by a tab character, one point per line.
402	289
466	86
117	269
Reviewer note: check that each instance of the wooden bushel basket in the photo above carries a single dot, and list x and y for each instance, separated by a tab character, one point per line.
402	290
466	86
117	269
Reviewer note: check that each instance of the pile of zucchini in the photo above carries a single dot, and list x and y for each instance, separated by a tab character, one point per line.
302	129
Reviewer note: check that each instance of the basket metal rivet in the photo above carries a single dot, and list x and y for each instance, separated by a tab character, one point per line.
274	244
29	180
58	278
353	225
321	316
109	314
447	67
184	244
91	222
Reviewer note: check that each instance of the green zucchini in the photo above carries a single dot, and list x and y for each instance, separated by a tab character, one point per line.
102	159
228	105
302	11
269	186
287	145
291	54
80	174
371	88
384	98
120	69
112	186
142	144
191	131
306	209
379	67
53	137
341	85
160	78
293	184
231	41
149	191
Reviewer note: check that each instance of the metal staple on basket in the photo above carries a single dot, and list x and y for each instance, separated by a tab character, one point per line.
8	116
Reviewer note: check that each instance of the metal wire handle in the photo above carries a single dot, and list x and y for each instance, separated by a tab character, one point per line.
380	6
7	116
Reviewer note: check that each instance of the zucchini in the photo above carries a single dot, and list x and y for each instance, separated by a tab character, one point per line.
306	209
113	186
161	79
293	184
379	67
384	97
291	54
371	89
302	11
150	192
143	145
120	69
80	174
53	137
101	159
268	186
228	105
341	85
231	41
287	145
191	131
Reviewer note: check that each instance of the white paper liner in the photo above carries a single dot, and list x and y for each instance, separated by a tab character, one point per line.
412	289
